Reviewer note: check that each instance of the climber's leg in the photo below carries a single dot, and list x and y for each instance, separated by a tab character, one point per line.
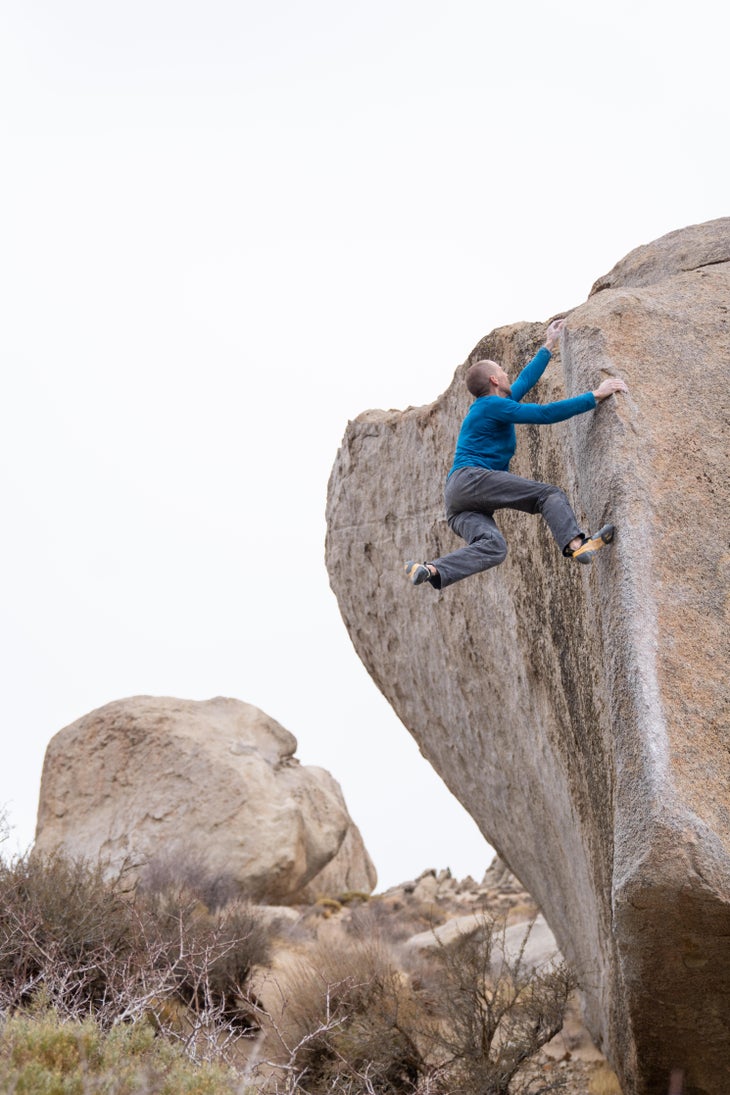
507	491
486	548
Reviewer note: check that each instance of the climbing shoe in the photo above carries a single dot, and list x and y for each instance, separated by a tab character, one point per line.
418	573
592	544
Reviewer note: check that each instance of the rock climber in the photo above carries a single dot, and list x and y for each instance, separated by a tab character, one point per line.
480	482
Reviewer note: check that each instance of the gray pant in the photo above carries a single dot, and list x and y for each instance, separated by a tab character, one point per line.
472	495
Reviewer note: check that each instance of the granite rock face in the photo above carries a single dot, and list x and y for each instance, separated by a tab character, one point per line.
213	785
579	713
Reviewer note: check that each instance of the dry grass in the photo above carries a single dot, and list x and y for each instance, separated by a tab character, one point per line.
345	1012
604	1081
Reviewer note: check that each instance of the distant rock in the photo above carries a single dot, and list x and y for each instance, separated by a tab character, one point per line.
534	939
209	786
580	714
427	888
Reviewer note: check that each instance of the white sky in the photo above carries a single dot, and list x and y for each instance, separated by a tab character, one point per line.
228	227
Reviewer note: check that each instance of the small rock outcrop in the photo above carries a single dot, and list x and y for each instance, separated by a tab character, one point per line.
580	714
211	786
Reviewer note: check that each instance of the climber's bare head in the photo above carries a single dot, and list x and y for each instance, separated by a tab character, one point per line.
486	377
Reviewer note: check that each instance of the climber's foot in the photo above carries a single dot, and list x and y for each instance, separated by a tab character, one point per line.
592	544
419	572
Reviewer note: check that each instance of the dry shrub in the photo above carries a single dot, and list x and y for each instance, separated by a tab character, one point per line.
211	936
493	1023
211	954
86	947
353	897
64	930
181	869
347	1020
394	920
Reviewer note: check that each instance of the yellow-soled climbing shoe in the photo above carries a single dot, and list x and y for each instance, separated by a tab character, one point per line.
589	547
418	573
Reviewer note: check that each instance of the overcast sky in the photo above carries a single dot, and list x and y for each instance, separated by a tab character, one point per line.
227	228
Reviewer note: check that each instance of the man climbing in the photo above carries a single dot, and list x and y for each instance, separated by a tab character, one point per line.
480	483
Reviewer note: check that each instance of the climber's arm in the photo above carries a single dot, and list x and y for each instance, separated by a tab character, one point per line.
541	414
532	372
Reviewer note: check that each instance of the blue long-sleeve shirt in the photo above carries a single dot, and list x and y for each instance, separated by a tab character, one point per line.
487	436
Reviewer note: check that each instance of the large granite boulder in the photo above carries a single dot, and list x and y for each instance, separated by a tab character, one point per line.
210	786
579	713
